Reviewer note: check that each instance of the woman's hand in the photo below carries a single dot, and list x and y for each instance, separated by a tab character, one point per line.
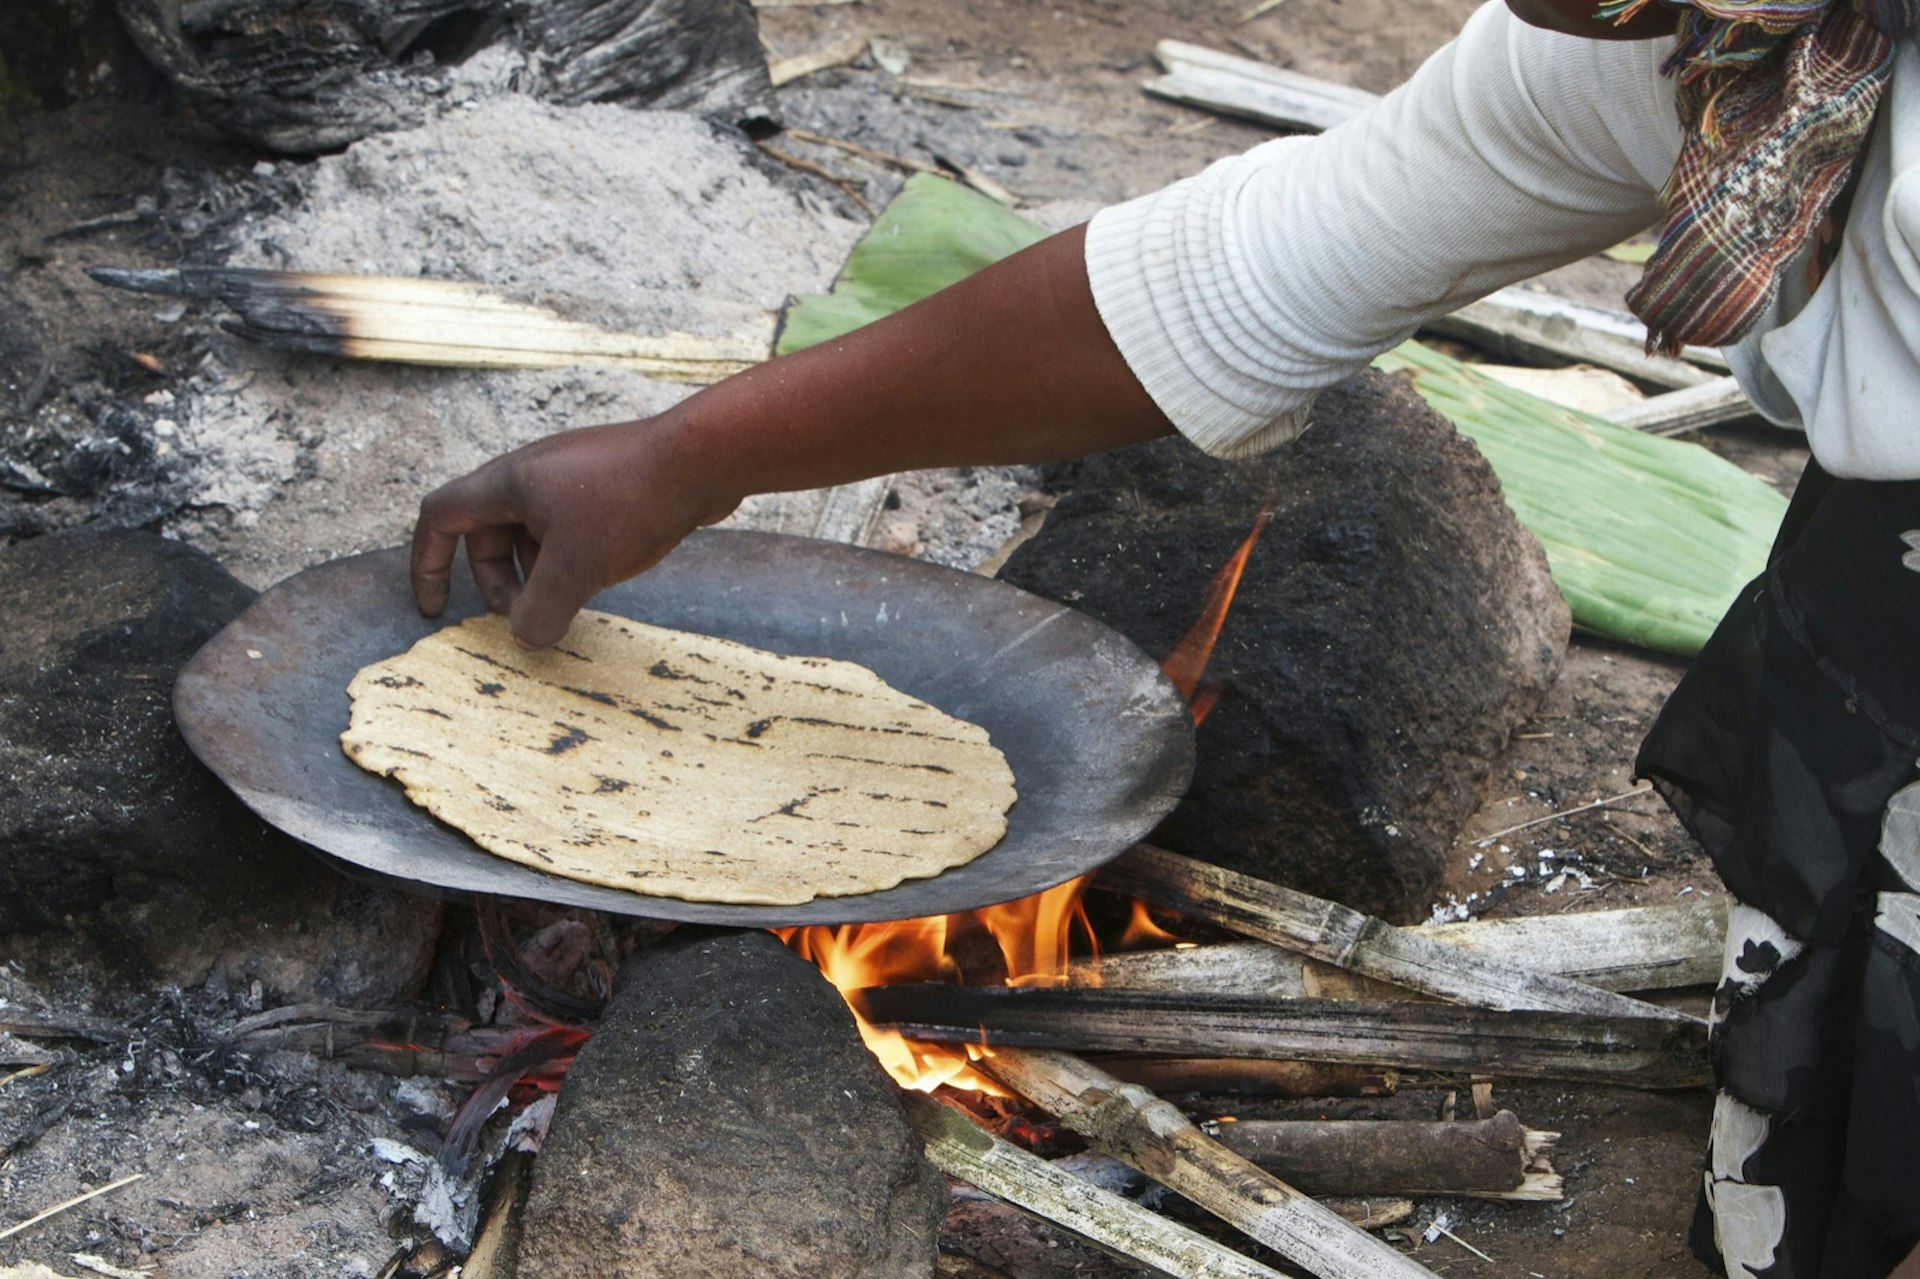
549	524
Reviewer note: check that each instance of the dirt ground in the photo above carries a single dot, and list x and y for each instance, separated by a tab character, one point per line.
1045	99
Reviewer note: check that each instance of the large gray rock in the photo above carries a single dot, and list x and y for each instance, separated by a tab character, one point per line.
725	1120
109	822
1394	624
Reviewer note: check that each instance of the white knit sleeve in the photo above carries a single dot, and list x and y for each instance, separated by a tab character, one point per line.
1238	294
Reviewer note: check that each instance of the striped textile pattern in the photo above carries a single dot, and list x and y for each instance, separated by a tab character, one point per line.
1776	98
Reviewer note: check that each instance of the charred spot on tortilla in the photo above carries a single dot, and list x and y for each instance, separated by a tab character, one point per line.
532	752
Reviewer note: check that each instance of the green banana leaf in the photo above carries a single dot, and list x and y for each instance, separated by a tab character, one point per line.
1649	539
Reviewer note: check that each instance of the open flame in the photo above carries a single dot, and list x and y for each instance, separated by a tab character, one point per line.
1188	661
1033	933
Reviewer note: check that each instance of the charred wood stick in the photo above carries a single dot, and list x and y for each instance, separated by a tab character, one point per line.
73	1026
1637	948
963	1150
1251	1076
541	997
454	355
1631	1051
1497	1158
1345	938
437	322
1139	1129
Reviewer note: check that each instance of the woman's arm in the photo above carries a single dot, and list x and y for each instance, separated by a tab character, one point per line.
1010	365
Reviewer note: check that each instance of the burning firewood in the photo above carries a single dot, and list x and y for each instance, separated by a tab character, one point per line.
967	1152
437	322
1638	948
1497	1158
1338	935
1632	1051
1136	1127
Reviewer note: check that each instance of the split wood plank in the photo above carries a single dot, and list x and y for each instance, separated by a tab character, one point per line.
1635	948
1260	91
1341	936
1496	1158
1630	1051
962	1149
1138	1128
1691	408
1532	328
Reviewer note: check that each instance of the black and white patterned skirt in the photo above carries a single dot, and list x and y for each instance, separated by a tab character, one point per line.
1789	750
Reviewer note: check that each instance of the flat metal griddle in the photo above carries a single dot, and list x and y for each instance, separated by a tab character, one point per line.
1100	743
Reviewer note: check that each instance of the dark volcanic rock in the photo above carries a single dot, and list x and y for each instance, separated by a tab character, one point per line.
725	1120
1394	624
105	814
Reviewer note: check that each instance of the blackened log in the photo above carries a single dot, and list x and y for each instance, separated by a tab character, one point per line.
1497	1158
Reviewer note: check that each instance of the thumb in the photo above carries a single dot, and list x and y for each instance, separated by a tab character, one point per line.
556	588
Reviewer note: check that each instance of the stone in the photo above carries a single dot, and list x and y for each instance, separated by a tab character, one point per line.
1394	624
726	1120
109	823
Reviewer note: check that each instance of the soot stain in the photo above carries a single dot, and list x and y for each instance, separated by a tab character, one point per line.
665	726
570	736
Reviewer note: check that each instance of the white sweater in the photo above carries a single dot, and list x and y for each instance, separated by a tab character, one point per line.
1240	293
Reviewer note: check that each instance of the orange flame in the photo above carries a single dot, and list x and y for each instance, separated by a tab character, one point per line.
1189	658
1033	933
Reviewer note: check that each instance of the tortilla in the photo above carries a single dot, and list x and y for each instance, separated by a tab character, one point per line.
679	765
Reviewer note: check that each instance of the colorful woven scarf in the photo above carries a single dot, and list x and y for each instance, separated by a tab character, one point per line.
1776	98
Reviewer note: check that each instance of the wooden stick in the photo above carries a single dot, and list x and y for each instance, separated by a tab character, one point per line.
439	322
1250	1076
1497	1158
1692	408
74	1202
1534	329
1633	1051
962	1149
1257	91
847	187
1531	822
1634	948
837	54
1370	1212
908	163
1345	938
1136	1127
